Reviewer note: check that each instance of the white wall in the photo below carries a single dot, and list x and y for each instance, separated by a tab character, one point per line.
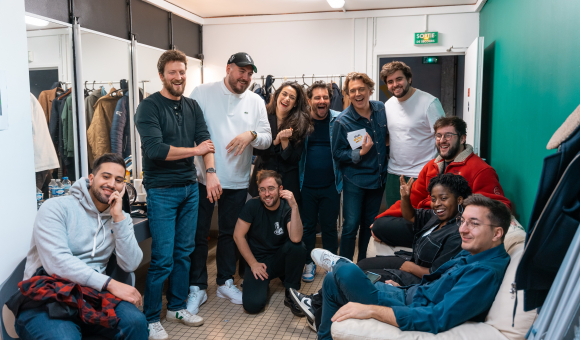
17	184
334	46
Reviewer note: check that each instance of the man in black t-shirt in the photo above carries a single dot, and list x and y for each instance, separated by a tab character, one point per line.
269	236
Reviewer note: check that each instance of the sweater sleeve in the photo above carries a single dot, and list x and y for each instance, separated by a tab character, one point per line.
127	250
264	138
487	183
50	238
201	132
149	127
472	295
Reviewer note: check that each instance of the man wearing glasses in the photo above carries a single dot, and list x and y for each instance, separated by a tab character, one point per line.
455	156
460	290
269	236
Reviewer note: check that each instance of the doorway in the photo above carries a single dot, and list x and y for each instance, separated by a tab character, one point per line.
442	78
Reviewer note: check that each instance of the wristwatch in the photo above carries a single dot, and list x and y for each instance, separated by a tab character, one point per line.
255	134
210	170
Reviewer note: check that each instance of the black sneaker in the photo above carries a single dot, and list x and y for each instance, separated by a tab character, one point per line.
304	303
293	307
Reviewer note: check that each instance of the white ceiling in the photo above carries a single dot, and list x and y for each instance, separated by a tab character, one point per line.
41	28
226	8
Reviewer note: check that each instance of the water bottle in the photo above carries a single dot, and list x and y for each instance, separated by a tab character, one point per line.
51	188
39	197
67	184
59	189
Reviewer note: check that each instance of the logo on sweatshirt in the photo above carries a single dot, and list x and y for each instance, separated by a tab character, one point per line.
277	230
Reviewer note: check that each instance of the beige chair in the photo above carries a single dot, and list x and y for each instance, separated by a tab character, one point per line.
498	324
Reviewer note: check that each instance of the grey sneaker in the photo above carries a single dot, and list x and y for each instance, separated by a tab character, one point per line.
325	259
185	317
157	332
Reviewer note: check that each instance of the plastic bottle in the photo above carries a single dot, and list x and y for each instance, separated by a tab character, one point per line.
51	188
39	198
67	184
59	189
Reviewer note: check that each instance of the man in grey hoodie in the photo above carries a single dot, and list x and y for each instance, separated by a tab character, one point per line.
73	237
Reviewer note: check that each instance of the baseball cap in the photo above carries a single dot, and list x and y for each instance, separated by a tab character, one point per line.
242	59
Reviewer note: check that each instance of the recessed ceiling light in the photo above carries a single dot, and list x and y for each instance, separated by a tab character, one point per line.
35	21
336	3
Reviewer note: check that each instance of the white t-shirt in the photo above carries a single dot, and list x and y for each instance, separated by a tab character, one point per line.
45	157
410	124
227	115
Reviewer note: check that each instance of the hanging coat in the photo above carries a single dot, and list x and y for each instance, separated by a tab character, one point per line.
336	103
90	102
99	133
554	221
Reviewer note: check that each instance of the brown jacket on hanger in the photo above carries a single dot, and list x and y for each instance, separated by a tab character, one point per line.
99	133
45	99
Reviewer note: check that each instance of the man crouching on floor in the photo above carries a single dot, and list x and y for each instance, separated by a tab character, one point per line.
73	238
461	289
269	236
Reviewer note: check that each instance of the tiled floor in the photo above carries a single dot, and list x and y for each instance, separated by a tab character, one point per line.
224	320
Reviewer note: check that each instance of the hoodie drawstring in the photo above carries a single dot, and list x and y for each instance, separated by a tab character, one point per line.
101	226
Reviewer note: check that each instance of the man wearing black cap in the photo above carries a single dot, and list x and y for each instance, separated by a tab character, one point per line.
237	122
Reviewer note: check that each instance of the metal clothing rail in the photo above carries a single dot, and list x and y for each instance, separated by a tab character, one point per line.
304	76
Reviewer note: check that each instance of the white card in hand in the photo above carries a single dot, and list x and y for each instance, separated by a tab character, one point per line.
355	138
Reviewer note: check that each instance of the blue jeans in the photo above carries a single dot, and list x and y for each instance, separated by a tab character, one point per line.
348	283
34	324
360	207
172	214
320	205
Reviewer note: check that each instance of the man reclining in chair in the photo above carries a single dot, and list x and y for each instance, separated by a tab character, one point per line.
461	289
74	237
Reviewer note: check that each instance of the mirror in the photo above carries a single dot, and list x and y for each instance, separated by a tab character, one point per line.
53	113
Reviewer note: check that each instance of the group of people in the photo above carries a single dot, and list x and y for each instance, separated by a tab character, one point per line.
198	150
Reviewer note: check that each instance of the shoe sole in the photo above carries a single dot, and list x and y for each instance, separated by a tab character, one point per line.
166	338
311	324
308	280
234	301
301	306
194	312
191	324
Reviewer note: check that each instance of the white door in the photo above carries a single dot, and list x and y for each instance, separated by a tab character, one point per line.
472	93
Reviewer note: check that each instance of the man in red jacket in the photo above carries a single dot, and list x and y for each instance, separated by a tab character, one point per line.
455	156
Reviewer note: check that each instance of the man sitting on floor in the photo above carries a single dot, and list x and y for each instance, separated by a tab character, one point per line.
74	237
462	289
455	156
269	237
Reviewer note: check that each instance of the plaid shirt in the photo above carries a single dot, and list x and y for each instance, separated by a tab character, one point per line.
94	307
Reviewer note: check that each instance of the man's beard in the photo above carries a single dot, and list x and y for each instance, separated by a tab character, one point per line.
452	151
405	90
168	86
274	201
99	195
317	114
233	84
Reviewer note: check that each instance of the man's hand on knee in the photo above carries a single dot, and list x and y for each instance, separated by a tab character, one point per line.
125	292
352	310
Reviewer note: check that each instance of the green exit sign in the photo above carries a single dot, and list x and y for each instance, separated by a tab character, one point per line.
426	38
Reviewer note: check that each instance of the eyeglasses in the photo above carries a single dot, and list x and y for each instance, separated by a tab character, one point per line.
269	190
446	136
471	224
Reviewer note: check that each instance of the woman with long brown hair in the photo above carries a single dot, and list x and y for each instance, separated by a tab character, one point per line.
290	124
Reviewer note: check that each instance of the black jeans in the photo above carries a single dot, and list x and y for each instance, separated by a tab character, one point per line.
230	204
320	205
394	231
388	268
286	264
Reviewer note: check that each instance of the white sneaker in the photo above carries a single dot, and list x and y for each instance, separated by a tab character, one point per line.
156	331
185	317
325	259
195	299
309	272
230	291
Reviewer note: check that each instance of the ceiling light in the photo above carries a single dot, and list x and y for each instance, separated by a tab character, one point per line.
35	21
336	3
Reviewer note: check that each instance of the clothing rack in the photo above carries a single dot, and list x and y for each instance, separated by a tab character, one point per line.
100	82
304	76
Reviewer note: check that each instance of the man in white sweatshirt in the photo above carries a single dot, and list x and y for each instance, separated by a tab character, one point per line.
73	237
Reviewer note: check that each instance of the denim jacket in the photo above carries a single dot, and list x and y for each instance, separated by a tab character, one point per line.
462	289
337	173
368	171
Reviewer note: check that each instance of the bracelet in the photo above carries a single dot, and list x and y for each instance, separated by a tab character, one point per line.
106	284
